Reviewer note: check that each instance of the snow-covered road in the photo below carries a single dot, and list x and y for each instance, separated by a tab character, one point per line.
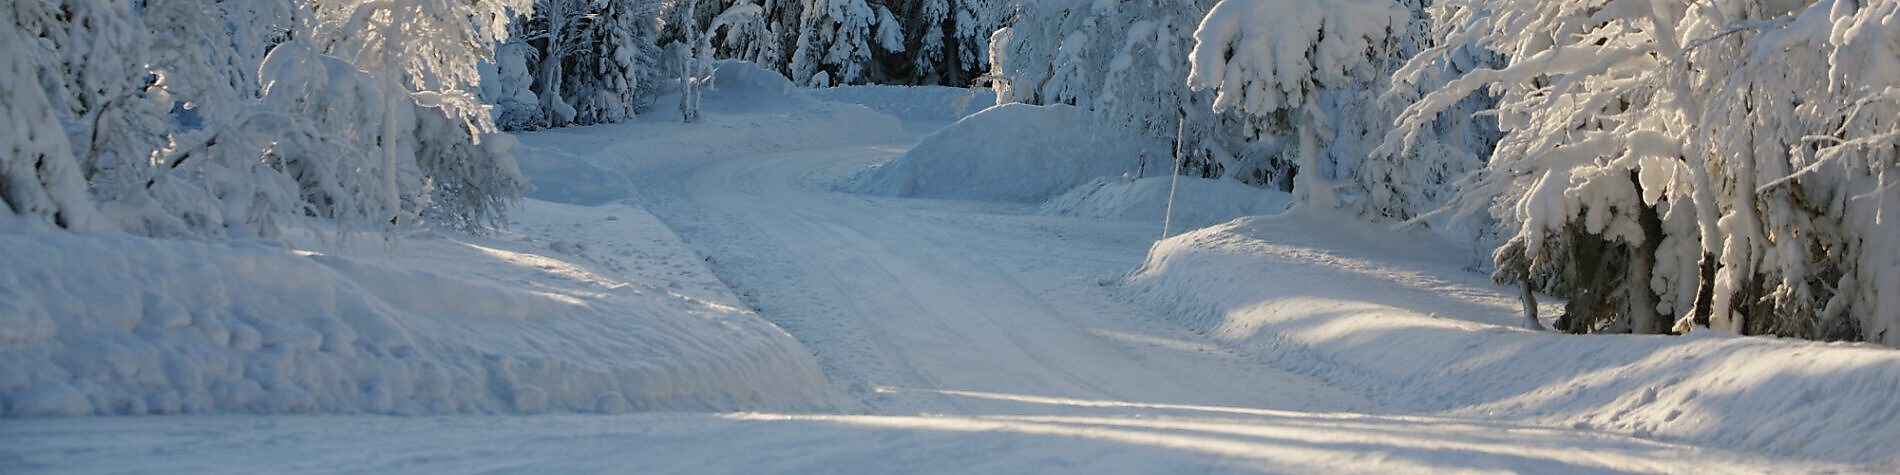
965	337
957	296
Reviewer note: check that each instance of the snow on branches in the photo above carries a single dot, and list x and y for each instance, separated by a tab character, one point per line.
1704	146
198	119
1272	59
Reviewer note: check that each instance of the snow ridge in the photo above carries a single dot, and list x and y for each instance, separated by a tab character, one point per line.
123	325
1393	329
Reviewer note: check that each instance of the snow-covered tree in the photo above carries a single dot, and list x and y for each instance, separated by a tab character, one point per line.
619	75
839	39
508	85
204	119
1274	59
39	174
695	57
1684	146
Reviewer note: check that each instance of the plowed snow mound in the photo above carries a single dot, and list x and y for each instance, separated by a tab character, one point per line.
1012	153
1392	313
618	316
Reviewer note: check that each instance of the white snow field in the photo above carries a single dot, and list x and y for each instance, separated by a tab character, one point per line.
992	335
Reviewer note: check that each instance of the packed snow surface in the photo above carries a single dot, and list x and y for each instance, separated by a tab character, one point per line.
1013	153
984	336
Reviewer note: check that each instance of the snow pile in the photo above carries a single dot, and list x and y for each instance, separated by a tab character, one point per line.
924	109
740	86
1382	312
618	316
1012	153
1198	202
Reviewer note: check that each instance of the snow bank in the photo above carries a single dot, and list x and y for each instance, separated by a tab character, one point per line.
621	318
924	109
740	87
1011	153
1198	202
1363	307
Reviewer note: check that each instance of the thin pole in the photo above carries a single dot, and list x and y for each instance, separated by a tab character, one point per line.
1180	132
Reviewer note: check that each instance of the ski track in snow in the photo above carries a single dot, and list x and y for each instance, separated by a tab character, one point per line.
960	337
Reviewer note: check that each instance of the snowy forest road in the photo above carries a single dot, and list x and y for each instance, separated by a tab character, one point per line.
983	323
960	337
900	299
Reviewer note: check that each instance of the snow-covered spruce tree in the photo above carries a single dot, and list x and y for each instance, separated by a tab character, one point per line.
1696	144
931	56
837	40
619	76
508	84
558	28
971	24
576	62
743	33
1274	60
1057	52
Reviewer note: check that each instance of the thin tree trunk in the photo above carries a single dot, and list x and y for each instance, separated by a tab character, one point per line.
1642	298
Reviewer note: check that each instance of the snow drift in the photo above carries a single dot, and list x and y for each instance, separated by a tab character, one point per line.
1012	153
1394	315
1198	202
924	109
445	324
